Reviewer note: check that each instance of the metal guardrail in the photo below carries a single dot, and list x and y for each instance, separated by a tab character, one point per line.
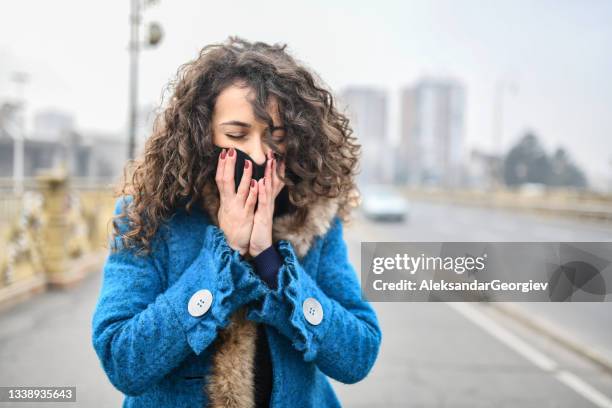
554	202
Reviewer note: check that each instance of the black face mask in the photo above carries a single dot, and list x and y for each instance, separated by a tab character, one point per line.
282	205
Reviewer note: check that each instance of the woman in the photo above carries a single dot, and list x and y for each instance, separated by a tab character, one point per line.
228	282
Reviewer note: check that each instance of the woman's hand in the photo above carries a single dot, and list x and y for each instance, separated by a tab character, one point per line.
268	188
236	210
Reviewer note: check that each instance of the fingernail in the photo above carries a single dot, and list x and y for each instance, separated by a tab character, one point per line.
231	152
223	153
246	164
252	183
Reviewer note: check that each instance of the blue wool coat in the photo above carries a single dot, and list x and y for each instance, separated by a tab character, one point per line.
156	353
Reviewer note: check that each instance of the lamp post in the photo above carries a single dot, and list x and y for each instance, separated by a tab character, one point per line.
154	37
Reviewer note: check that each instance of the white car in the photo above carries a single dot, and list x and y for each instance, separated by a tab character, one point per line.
381	202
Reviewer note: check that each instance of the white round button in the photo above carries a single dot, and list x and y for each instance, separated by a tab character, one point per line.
200	302
313	311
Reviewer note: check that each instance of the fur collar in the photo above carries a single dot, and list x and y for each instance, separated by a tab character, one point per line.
230	382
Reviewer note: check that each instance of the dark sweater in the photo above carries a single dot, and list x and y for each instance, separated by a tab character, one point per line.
267	264
263	369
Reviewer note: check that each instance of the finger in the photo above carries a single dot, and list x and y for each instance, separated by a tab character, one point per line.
278	183
269	174
228	172
262	194
220	169
245	182
252	197
281	167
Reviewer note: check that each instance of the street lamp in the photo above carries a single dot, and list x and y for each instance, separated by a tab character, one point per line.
153	38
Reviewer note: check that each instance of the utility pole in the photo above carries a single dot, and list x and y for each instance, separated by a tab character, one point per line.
133	96
154	37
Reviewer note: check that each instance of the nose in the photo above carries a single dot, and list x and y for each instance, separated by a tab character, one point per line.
257	150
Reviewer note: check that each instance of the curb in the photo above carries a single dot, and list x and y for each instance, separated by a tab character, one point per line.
21	291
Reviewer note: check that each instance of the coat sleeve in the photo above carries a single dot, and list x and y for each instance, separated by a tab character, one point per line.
140	331
345	344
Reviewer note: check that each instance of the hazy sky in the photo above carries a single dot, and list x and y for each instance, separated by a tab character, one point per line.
558	53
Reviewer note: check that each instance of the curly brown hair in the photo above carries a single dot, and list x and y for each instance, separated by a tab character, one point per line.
177	168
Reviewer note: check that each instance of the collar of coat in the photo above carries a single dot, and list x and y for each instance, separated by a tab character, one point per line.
230	383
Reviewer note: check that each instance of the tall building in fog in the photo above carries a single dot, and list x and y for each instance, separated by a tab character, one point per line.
432	133
367	111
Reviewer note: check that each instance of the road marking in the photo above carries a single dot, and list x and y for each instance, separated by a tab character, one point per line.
530	353
554	332
584	389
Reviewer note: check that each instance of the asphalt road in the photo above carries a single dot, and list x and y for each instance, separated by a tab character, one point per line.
433	354
450	355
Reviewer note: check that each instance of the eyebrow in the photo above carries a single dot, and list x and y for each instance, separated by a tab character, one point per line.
246	125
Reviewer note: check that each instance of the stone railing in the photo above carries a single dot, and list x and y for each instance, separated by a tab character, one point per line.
52	235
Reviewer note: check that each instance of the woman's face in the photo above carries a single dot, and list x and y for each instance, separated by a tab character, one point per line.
235	125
